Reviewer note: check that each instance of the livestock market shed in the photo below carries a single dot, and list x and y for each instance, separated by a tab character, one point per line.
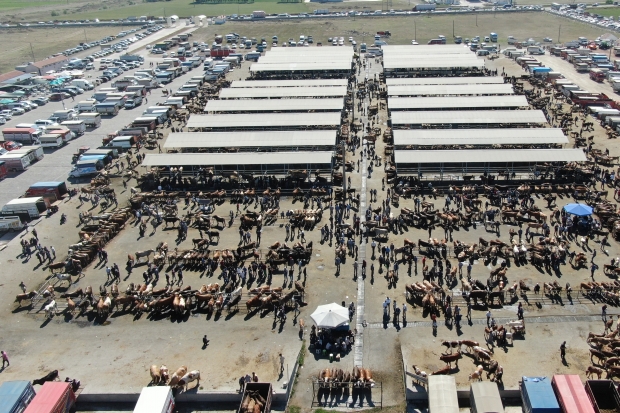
261	163
395	67
456	165
455	80
458	103
283	92
274	105
289	83
307	70
264	121
450	90
272	141
420	50
466	119
534	138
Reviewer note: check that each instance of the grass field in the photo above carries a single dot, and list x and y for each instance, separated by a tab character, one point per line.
404	29
606	11
15	47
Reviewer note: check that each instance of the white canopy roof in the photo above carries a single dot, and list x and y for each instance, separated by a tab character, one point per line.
443	64
250	139
266	120
468	117
457	102
300	67
271	105
489	156
289	83
445	90
457	80
239	158
517	136
276	92
425	49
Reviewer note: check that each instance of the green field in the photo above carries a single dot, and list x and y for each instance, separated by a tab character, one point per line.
605	11
13	5
406	28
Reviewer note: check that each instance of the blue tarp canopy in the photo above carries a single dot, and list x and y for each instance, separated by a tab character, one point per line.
46	184
581	210
541	69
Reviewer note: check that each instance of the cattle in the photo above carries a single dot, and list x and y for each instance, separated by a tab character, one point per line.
188	378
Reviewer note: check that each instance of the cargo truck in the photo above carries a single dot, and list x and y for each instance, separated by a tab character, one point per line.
14	395
27	209
109	108
78	127
571	394
91	119
259	14
424	7
537	395
51	140
157	399
54	397
87	167
83	84
86	105
15	162
29	136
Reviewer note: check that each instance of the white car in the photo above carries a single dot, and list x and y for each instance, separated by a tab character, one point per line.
6	114
18	111
2	120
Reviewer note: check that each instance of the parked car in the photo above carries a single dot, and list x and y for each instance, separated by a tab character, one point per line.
40	100
2	120
6	114
58	96
18	111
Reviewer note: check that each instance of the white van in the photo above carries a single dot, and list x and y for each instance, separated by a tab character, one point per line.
30	207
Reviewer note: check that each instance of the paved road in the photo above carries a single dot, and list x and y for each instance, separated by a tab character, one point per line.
57	163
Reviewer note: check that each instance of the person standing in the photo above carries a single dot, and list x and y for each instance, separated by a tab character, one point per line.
563	351
5	358
23	287
604	312
404	313
281	363
488	318
205	342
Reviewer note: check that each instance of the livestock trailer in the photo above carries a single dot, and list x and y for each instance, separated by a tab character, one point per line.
15	396
442	396
603	395
538	396
484	398
15	161
50	190
25	208
54	397
157	399
252	392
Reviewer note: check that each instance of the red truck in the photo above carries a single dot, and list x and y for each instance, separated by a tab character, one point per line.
221	52
54	397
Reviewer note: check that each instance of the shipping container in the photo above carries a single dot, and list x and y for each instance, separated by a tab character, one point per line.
442	396
15	395
571	394
54	397
537	395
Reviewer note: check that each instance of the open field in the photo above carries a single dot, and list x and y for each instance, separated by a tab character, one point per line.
606	11
537	25
17	43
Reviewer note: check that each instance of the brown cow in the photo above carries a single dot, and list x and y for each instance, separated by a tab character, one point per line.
451	358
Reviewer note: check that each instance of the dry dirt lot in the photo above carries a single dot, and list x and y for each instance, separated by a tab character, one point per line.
29	44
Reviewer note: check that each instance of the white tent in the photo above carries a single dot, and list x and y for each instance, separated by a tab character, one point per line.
330	315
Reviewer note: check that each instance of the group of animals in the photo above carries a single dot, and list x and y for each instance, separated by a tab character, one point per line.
359	377
606	349
181	378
